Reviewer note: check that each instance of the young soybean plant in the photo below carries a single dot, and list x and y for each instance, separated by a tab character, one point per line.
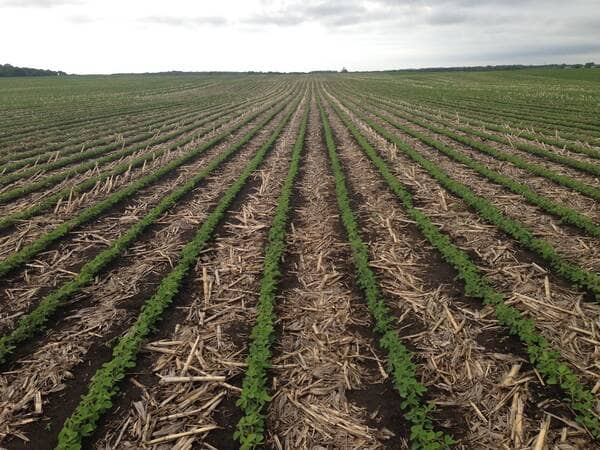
255	395
541	354
105	382
422	434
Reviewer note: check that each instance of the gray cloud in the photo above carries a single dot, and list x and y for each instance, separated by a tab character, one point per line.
473	30
440	17
184	21
548	50
334	13
366	34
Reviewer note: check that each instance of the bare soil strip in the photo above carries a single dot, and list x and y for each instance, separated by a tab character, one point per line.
207	336
583	204
561	314
25	233
79	340
109	140
51	268
513	134
22	203
486	392
24	177
330	387
575	246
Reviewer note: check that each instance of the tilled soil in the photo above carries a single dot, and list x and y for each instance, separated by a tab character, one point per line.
208	335
329	381
330	386
105	309
562	315
485	391
581	203
15	237
58	264
569	241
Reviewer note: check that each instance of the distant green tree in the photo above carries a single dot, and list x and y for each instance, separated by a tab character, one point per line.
6	70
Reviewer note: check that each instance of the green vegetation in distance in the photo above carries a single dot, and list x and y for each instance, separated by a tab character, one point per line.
6	70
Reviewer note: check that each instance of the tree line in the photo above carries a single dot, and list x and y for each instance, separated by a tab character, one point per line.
6	70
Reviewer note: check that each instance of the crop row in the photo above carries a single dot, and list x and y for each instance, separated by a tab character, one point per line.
43	242
535	138
105	382
83	143
15	134
519	121
575	115
51	180
51	130
36	320
572	272
95	156
92	181
91	135
545	359
168	123
583	166
255	393
566	214
537	120
549	136
85	112
556	120
414	111
166	114
400	364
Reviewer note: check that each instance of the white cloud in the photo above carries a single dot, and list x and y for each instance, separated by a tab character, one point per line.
84	36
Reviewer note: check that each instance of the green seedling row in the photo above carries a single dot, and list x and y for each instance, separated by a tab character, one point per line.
255	392
105	382
400	364
576	275
543	357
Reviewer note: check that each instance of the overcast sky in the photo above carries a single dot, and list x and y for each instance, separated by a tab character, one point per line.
108	36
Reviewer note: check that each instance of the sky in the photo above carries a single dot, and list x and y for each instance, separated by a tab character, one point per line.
116	36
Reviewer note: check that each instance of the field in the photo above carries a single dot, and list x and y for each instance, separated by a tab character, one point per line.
352	261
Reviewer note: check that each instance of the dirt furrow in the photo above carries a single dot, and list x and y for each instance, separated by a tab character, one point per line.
330	388
511	133
551	165
43	172
575	200
22	203
208	335
486	393
51	268
561	314
55	265
109	133
79	340
571	243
